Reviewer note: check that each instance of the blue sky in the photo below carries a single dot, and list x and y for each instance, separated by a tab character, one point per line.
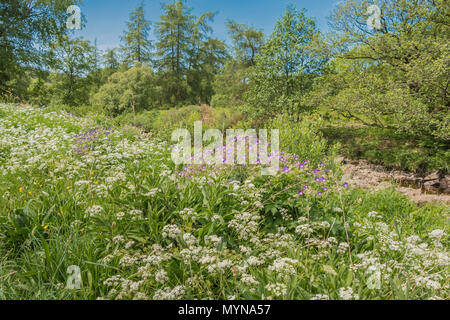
106	19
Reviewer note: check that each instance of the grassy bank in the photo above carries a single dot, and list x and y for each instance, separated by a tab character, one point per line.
81	192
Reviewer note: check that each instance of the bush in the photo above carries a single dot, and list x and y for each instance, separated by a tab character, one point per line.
302	138
163	122
220	100
132	90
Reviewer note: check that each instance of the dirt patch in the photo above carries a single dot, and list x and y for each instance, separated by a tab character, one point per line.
432	188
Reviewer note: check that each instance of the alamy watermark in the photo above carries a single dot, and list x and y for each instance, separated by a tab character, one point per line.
374	20
374	278
74	19
74	280
238	143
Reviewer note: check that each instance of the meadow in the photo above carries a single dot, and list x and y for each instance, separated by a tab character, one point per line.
106	198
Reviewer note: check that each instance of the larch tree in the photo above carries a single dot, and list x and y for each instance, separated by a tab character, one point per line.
173	32
111	59
136	43
206	57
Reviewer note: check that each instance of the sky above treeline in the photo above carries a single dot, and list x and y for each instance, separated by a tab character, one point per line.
106	19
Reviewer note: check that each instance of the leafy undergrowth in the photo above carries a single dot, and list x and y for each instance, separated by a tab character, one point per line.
164	122
390	149
73	193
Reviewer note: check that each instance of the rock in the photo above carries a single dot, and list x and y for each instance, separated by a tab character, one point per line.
433	188
444	185
431	177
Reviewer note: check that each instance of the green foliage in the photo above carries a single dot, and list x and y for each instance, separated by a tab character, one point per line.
72	60
163	122
395	77
111	59
136	232
39	90
231	82
248	42
137	46
188	58
288	63
26	29
388	148
173	34
303	138
21	227
230	85
143	120
132	90
208	58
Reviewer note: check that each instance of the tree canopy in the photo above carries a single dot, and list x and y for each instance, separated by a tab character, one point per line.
26	28
287	65
397	76
136	44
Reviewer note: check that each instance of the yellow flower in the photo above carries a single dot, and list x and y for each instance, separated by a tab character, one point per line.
45	227
68	188
20	190
96	182
29	192
92	173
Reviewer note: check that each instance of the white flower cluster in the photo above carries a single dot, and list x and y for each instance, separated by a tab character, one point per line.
94	210
161	276
283	267
220	267
320	297
249	280
304	230
279	290
343	247
348	294
188	213
213	240
171	231
245	224
285	215
374	215
437	234
168	293
152	192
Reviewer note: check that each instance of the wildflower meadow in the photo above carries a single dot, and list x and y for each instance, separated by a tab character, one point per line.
94	210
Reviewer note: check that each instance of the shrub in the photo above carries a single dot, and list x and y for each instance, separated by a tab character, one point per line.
302	138
132	90
163	122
